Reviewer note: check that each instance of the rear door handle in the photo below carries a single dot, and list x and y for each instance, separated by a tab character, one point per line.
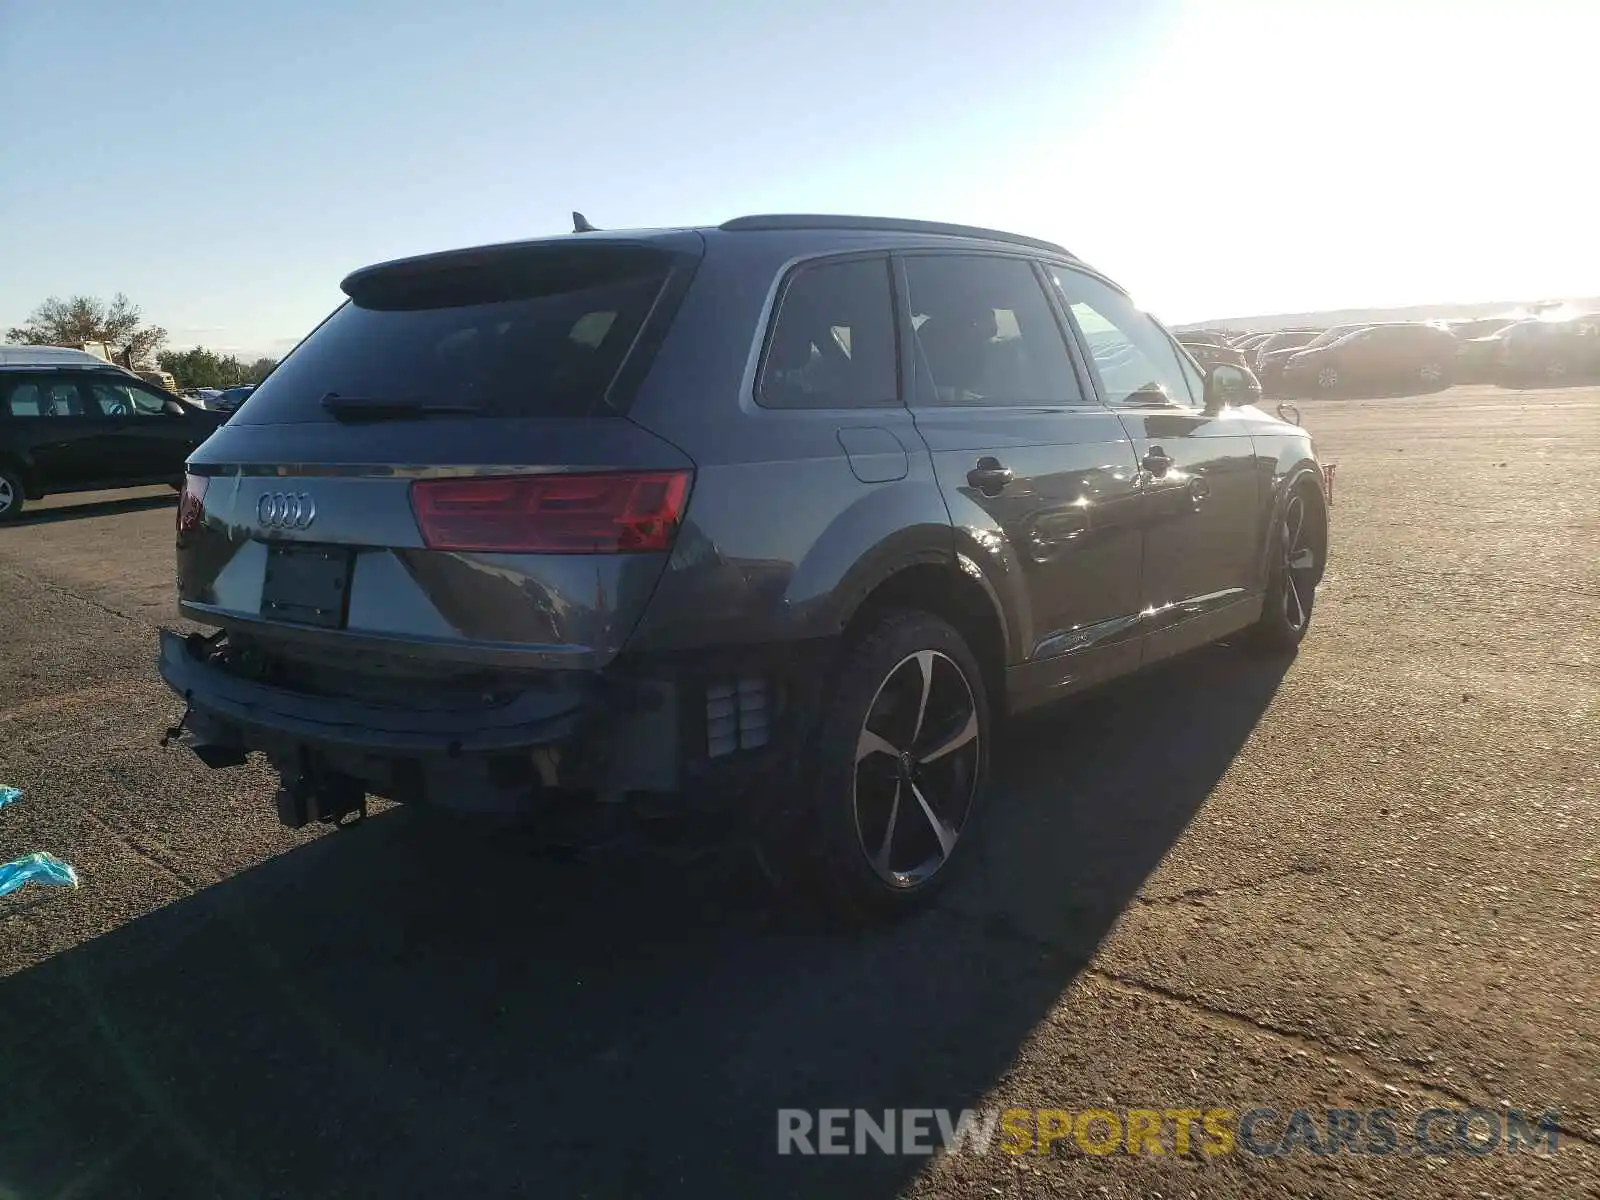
989	476
1156	461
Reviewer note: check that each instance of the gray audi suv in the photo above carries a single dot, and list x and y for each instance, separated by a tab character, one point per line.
773	521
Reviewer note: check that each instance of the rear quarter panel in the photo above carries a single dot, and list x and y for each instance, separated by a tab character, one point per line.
782	537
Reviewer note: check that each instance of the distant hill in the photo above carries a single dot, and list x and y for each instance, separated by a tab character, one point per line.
1415	312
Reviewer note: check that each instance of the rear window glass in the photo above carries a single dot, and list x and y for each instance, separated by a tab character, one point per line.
540	333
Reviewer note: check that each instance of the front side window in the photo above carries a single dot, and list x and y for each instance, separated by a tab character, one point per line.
111	399
1194	375
1137	363
985	334
832	344
122	399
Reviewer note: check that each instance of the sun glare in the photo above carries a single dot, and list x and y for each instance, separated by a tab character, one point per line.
1352	154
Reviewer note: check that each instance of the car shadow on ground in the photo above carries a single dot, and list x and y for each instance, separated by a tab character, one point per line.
413	1008
93	508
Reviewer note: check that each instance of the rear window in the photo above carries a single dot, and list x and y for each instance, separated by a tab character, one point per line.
524	333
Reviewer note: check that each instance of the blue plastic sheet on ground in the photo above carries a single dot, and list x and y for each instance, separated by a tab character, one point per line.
38	867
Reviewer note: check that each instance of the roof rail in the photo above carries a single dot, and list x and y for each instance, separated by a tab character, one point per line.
885	225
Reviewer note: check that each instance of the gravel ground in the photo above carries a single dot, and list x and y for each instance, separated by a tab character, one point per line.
1365	879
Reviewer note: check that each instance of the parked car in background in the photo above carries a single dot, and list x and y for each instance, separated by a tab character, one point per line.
1478	359
1209	353
228	401
1270	366
1478	327
769	521
1544	351
72	422
1246	387
1283	339
1402	356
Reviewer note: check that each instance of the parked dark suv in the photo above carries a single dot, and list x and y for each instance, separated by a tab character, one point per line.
1405	356
774	519
71	422
1535	352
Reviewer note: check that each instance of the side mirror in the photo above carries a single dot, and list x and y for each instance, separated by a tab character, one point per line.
1228	386
176	408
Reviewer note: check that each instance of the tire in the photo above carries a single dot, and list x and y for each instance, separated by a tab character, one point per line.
1292	580
880	831
12	495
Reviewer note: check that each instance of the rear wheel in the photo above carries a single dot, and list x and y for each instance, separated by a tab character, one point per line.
1292	583
898	771
1432	374
12	495
1327	379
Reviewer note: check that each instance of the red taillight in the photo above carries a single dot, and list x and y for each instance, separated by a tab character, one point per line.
619	512
192	503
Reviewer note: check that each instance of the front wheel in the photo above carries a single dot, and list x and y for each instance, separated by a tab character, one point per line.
898	770
1292	582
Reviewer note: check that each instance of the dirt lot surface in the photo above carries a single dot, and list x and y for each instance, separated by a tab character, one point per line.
1365	879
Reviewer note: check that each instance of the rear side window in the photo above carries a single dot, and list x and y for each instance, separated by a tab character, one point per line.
985	334
63	400
25	400
538	332
832	345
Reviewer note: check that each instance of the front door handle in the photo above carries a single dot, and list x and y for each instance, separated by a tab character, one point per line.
989	476
1156	461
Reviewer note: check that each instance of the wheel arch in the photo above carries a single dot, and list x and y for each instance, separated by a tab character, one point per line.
1303	476
954	591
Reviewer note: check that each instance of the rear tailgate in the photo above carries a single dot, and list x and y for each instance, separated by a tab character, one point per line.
443	470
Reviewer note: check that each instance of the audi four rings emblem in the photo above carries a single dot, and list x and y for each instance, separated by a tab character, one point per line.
286	510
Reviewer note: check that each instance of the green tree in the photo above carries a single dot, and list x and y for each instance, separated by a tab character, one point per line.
260	369
79	319
202	368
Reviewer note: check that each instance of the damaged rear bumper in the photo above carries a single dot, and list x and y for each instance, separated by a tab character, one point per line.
486	758
706	729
